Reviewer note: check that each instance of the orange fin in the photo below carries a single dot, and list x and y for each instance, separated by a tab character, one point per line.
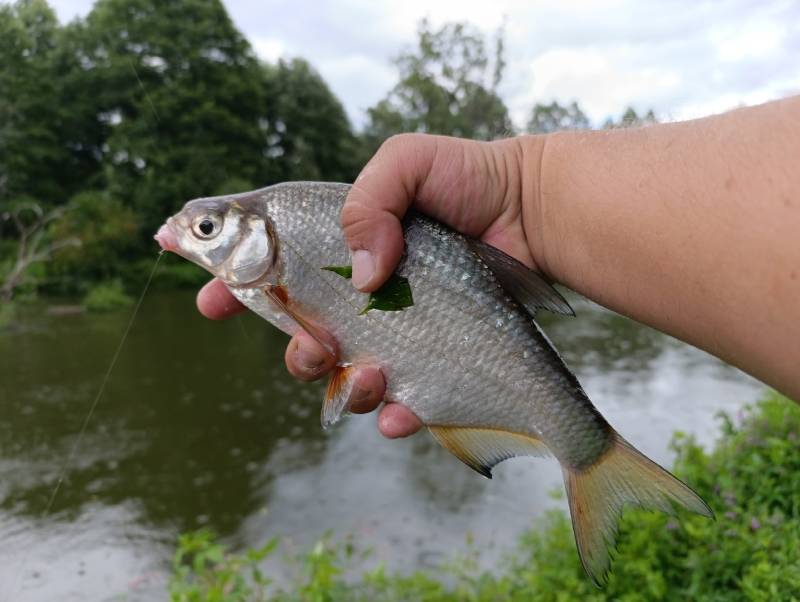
483	448
337	394
277	294
597	494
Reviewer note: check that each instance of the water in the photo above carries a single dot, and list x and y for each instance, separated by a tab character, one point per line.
201	425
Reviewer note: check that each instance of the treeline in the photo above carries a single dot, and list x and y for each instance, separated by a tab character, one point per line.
122	116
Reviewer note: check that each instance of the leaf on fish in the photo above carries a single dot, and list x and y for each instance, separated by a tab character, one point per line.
394	295
345	271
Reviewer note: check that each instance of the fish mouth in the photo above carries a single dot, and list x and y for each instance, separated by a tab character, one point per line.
166	238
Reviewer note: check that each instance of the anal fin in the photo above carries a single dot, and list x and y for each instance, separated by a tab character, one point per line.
337	395
483	448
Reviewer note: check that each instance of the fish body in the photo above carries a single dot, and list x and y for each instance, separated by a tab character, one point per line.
467	357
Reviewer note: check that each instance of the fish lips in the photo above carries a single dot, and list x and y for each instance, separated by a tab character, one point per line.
166	238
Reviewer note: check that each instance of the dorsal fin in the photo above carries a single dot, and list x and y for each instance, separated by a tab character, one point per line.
527	287
483	448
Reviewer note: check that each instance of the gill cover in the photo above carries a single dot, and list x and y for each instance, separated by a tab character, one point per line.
253	256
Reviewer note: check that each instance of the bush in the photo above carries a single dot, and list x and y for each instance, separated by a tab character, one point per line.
107	296
750	552
108	234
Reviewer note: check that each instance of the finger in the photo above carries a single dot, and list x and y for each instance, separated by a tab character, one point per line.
377	202
396	421
306	359
216	302
368	390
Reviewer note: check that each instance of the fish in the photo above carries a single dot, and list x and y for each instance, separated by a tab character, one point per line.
461	349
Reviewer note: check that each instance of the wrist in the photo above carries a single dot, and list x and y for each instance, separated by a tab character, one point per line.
538	202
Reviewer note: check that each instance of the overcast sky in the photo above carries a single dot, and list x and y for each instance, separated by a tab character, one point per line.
683	59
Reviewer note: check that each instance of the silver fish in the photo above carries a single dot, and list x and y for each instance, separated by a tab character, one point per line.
467	357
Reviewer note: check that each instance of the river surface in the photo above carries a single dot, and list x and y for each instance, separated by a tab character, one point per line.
200	425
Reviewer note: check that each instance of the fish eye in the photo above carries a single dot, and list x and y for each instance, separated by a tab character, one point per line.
207	226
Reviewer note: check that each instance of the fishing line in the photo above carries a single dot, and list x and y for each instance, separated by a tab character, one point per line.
92	408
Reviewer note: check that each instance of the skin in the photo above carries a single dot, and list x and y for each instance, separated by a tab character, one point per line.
691	228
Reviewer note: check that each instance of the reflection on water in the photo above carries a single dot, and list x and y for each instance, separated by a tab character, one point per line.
201	426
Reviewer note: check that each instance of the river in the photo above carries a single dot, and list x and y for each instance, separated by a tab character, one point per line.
200	425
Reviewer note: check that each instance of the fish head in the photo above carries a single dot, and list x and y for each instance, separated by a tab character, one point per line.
230	236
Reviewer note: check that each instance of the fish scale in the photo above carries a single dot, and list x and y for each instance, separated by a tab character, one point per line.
417	374
466	357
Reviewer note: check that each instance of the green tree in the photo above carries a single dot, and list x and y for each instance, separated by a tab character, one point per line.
107	231
31	152
308	133
553	117
179	92
448	85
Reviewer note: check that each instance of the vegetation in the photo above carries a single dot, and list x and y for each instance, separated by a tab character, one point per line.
106	296
115	120
751	480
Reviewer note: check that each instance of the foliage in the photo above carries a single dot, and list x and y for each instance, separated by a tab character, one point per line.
108	234
179	91
447	85
205	571
308	134
751	480
32	247
30	148
553	117
106	296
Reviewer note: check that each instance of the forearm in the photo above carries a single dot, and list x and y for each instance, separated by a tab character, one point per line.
693	228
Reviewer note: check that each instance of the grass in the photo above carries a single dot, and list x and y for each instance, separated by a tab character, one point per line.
750	552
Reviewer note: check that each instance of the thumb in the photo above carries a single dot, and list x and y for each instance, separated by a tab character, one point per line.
381	195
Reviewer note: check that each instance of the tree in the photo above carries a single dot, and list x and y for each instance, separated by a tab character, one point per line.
553	117
179	93
631	119
33	245
307	131
108	233
447	85
31	153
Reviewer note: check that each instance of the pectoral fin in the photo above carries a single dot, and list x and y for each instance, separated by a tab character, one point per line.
527	287
278	296
483	448
337	395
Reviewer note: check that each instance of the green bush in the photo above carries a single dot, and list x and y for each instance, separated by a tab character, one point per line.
107	296
108	234
750	552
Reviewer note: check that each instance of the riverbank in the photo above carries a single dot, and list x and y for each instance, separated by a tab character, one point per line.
751	479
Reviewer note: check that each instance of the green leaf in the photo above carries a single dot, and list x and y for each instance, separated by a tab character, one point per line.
394	295
345	271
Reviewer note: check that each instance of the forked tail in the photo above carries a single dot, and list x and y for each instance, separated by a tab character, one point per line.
597	494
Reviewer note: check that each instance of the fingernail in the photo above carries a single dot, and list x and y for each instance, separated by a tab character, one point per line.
363	268
308	361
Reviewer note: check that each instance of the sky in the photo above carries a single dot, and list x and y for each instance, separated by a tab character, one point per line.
683	59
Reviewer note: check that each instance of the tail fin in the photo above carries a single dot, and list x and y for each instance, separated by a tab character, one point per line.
597	494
